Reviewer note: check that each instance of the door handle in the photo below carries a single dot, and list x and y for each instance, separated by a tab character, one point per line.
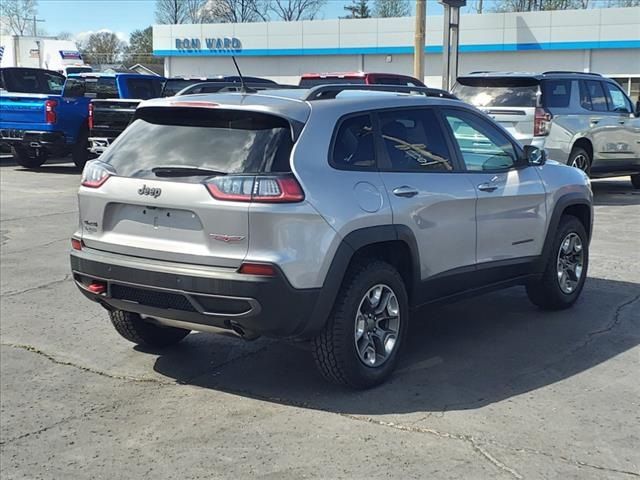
405	191
594	121
487	187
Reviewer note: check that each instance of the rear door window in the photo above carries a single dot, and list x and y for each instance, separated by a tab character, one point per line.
414	141
592	96
353	147
32	81
225	141
556	93
498	92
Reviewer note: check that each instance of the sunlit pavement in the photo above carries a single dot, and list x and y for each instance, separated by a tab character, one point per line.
489	388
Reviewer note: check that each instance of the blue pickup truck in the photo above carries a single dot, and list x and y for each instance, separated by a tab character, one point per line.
38	125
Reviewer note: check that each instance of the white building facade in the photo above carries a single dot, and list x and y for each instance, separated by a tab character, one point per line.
605	41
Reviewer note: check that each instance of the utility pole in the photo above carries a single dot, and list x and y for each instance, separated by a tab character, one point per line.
418	47
35	26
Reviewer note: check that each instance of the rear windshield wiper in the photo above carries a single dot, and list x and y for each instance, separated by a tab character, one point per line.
184	171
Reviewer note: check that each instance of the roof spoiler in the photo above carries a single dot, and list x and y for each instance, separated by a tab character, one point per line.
323	92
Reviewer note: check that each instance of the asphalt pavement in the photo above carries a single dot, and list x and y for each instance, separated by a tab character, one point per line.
489	388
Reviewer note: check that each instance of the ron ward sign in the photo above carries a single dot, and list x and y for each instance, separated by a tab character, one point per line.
213	44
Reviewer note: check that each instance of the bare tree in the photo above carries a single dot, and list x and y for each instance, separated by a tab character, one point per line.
358	9
171	12
64	35
294	10
102	47
391	8
238	11
18	15
196	11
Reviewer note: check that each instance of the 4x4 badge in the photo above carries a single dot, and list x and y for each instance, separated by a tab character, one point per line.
152	192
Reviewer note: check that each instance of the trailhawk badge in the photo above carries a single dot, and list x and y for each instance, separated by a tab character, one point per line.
152	192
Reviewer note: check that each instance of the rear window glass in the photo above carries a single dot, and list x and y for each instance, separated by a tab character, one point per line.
91	87
497	92
144	88
556	93
312	82
32	81
225	141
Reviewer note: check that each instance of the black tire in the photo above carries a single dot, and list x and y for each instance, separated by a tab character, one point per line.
635	180
581	159
546	292
334	349
29	157
132	327
80	151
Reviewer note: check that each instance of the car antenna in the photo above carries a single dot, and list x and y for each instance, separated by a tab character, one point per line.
243	87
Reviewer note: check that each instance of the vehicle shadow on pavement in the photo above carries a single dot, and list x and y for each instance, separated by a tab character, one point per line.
460	356
55	166
614	193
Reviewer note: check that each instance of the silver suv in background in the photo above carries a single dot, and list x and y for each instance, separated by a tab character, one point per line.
581	119
325	215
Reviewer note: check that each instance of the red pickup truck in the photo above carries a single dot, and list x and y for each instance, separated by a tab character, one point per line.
363	78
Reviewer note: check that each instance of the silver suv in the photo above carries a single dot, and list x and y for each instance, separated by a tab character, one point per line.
581	119
326	215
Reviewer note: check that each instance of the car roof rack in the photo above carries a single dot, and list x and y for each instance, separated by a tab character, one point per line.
568	72
324	92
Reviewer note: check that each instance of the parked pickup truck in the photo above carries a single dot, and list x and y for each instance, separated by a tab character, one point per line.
37	118
114	99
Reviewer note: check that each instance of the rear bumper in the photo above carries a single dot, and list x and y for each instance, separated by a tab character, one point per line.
51	141
203	297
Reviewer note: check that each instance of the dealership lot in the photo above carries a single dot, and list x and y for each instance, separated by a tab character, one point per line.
490	387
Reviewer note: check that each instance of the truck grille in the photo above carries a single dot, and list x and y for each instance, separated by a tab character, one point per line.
152	298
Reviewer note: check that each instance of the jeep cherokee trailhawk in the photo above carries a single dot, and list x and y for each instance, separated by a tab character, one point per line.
325	215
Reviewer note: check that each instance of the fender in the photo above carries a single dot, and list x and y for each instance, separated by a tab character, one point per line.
349	245
567	200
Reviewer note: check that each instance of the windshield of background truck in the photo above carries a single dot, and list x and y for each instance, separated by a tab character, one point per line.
498	92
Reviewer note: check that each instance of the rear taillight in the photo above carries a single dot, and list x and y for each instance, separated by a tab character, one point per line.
90	120
95	173
50	111
541	122
250	188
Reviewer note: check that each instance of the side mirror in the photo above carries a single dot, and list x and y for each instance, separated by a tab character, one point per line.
535	156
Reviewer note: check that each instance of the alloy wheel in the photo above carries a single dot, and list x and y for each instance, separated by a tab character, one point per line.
570	263
377	325
581	161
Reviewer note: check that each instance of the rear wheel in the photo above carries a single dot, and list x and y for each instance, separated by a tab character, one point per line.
139	331
80	152
29	157
635	180
360	343
566	269
581	159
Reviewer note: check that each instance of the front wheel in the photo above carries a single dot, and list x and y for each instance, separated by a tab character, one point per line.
635	180
141	332
360	343
29	157
566	268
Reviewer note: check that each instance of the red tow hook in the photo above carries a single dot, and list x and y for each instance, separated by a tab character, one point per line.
97	287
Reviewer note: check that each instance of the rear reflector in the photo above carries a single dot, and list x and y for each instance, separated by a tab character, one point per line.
262	189
97	287
262	269
76	244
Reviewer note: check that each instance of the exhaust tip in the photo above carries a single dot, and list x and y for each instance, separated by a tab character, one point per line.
242	332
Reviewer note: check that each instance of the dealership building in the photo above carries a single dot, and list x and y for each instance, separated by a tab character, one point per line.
606	41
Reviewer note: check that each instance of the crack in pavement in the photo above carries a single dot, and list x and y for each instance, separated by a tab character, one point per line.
470	440
39	287
66	363
37	246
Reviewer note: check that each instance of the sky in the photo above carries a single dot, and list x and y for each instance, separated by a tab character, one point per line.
81	17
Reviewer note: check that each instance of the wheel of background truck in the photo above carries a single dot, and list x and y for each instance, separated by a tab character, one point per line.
27	157
566	268
360	343
80	151
635	180
581	159
139	331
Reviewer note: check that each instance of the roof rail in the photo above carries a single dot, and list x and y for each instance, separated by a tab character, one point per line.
322	92
570	73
